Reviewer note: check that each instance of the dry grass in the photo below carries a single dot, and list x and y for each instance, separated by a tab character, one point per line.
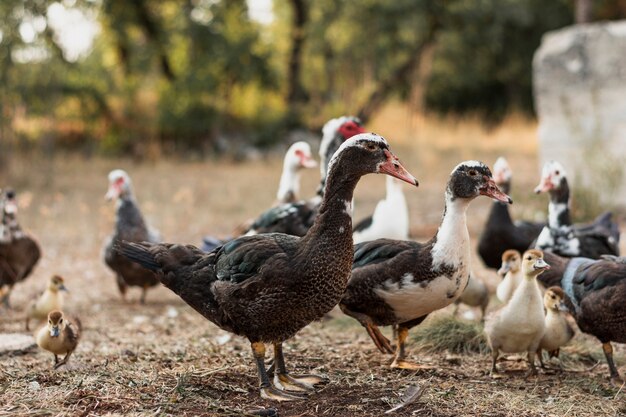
164	359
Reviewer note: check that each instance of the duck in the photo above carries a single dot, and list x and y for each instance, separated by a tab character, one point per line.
501	232
59	336
390	219
400	282
51	299
267	287
475	294
129	226
19	251
559	235
297	157
520	324
298	217
511	273
557	332
595	291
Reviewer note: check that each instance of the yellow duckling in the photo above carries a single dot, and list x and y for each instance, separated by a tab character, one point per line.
60	336
519	325
558	331
511	273
50	299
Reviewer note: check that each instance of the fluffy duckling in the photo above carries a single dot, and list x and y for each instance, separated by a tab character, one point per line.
558	331
60	336
519	325
511	271
50	299
475	294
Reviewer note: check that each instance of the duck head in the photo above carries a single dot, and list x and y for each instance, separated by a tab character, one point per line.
502	173
471	179
511	261
299	156
367	153
120	185
533	263
56	323
9	203
334	133
553	177
56	284
554	299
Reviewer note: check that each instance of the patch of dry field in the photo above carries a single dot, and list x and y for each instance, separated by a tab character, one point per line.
164	359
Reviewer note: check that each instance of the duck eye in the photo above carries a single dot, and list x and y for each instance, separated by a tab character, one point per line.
60	321
473	172
529	258
370	147
556	172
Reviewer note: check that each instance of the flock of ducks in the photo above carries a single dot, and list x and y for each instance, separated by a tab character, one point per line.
302	257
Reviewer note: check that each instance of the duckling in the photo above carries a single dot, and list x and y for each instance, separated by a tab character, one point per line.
60	336
519	325
50	299
511	273
475	294
558	331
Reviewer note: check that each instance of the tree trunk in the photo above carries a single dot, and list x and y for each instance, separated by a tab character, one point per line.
382	92
295	91
584	11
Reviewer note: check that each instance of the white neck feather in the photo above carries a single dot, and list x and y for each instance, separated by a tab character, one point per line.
289	182
452	246
554	211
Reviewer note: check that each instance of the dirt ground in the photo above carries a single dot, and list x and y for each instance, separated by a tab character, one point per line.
165	359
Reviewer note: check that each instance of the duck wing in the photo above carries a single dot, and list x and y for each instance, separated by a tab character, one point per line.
17	259
292	219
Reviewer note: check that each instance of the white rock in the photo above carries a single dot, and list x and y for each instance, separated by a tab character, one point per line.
34	386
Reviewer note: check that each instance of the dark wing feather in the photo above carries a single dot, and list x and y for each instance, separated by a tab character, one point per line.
379	250
363	224
293	219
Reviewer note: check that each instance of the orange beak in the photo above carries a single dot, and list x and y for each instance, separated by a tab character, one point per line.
393	167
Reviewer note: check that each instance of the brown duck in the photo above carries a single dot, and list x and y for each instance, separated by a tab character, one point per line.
59	336
130	226
19	252
268	287
596	290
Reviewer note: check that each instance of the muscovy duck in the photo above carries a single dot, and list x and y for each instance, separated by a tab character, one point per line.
559	235
130	226
596	290
397	282
59	336
19	252
269	286
500	232
297	157
51	299
390	219
558	332
296	218
519	325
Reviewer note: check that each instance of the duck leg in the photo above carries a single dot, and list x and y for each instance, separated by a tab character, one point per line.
608	352
121	285
268	391
282	380
63	361
144	291
381	342
531	363
403	332
540	356
6	293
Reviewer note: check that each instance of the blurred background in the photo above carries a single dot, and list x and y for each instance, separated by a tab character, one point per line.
148	77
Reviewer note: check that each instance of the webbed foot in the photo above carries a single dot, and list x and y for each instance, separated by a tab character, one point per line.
274	394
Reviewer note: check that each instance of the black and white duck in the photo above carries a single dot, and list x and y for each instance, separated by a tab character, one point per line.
297	157
559	235
501	232
19	251
267	287
390	219
130	226
397	282
296	218
596	290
